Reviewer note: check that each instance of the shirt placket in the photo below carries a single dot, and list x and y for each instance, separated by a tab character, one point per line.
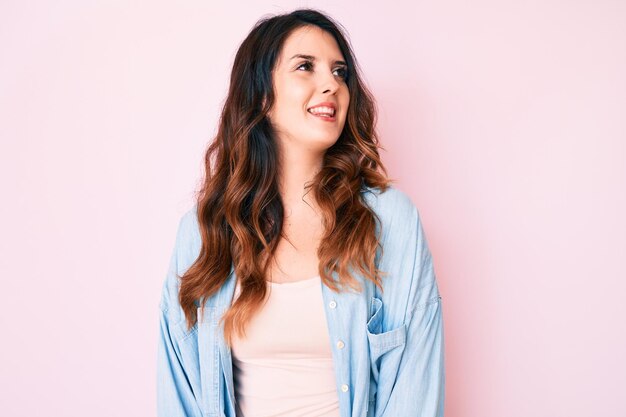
334	311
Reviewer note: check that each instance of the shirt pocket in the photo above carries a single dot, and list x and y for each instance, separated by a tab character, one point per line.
385	347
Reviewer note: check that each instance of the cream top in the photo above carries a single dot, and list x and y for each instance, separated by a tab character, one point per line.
284	366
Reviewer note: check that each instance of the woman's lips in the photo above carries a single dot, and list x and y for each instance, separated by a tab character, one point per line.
324	118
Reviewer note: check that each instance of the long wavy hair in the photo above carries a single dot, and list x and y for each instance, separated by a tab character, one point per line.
239	208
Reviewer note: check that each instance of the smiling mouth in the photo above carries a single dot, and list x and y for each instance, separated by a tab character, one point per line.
328	114
324	117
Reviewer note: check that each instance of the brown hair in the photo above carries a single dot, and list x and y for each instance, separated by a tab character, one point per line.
239	208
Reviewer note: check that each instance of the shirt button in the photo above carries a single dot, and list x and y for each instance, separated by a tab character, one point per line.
344	388
340	344
332	304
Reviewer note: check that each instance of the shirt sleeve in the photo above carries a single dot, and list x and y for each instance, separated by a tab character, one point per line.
175	396
418	390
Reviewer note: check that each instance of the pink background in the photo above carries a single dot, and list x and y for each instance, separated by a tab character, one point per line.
505	121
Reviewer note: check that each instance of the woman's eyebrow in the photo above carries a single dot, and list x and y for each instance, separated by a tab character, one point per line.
312	58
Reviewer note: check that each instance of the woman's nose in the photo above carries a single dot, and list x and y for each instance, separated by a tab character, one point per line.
329	83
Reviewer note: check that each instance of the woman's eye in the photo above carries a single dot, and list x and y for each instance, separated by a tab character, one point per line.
307	64
343	73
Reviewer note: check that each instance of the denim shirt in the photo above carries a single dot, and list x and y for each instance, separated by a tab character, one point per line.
391	361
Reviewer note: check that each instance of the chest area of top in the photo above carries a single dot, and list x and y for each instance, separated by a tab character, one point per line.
290	324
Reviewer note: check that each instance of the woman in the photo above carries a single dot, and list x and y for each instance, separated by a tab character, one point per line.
301	283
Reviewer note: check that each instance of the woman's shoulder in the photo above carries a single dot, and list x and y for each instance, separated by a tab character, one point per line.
188	238
391	204
398	217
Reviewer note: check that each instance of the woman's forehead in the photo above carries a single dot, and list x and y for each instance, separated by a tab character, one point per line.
313	42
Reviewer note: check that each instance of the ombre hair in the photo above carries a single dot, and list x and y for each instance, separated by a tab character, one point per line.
239	208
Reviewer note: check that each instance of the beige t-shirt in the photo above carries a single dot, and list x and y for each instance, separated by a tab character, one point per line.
284	366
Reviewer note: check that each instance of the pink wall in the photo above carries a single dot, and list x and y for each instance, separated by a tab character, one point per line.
505	121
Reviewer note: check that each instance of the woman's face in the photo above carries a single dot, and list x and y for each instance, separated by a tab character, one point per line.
301	83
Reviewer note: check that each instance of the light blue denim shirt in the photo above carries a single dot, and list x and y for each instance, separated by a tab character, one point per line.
391	362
